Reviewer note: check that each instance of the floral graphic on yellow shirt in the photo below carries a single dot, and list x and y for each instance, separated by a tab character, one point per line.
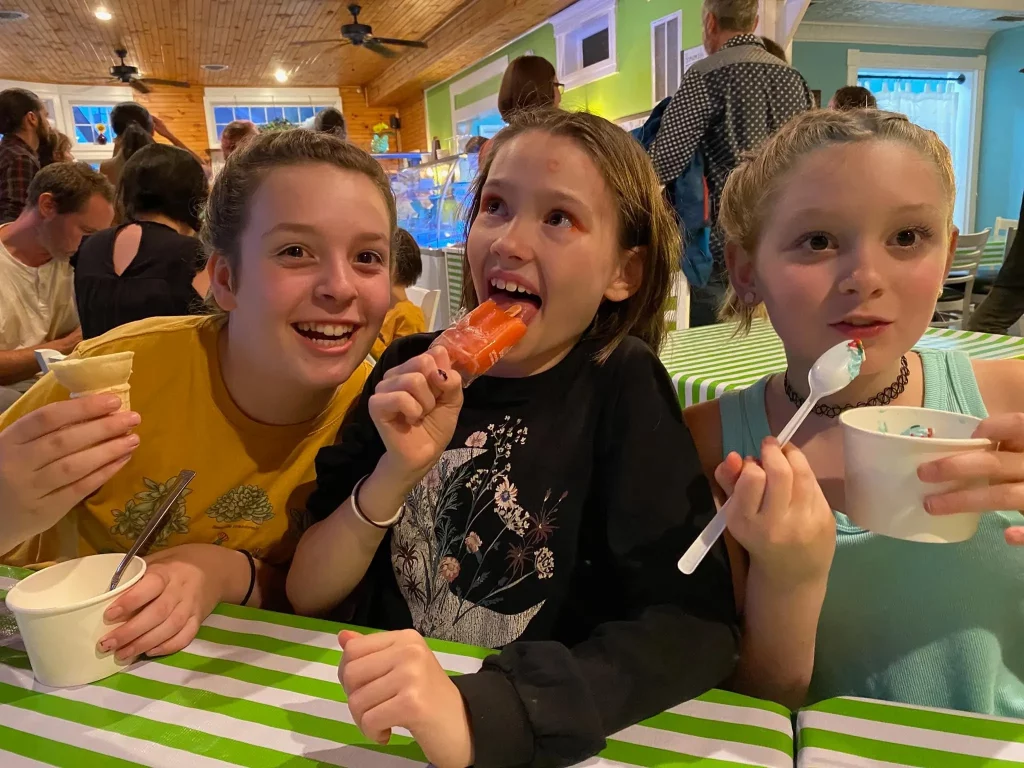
246	502
130	521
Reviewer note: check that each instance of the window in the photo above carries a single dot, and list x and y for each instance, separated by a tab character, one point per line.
87	117
262	114
666	55
585	42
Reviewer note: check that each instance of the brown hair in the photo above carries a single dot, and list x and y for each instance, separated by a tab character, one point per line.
774	48
70	184
528	83
754	183
228	204
406	263
854	97
56	149
237	130
15	103
645	220
331	120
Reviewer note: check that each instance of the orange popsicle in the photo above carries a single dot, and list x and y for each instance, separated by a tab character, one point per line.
481	338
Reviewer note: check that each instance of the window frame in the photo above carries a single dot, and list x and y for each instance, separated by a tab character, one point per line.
262	97
664	20
569	26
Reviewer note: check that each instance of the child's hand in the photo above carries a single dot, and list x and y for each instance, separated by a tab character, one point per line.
392	680
181	588
415	408
1003	469
778	513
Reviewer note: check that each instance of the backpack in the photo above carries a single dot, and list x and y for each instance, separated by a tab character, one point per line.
688	195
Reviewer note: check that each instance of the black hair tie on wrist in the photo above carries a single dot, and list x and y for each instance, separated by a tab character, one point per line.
252	575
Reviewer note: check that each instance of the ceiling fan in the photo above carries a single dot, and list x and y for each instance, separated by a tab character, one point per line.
362	35
129	75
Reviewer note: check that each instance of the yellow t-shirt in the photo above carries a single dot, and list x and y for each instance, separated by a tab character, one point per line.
403	319
252	479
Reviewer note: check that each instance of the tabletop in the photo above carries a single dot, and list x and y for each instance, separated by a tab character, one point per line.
705	362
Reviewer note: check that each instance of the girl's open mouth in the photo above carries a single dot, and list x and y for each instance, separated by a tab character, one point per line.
506	293
325	335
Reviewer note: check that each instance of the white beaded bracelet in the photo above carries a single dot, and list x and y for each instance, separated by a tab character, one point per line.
359	513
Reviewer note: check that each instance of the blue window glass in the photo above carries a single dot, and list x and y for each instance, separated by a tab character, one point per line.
242	113
86	118
223	115
305	113
220	130
275	113
291	114
258	115
319	109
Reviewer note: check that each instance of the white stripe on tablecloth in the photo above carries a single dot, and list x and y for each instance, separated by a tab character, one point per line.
913	737
449	661
956	712
105	742
238	689
727	713
286	664
699	746
816	757
213	724
11	760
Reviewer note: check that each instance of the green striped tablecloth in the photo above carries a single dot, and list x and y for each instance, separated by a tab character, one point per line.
993	254
705	362
859	733
453	270
260	689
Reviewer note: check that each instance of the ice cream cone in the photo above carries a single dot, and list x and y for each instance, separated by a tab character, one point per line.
97	375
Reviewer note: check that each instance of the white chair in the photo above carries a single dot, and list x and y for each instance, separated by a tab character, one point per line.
427	301
1001	229
953	307
678	318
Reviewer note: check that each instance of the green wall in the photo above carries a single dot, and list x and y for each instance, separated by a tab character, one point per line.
627	92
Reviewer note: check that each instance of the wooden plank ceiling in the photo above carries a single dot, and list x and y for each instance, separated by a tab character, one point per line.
62	41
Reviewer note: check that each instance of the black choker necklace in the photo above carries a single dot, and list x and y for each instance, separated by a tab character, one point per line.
884	397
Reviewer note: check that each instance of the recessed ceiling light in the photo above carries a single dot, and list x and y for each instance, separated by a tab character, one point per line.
103	14
13	15
281	76
213	67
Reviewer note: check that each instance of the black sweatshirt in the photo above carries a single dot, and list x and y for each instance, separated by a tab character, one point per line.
551	528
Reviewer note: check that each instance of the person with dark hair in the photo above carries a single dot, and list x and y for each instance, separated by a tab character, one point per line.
853	97
331	121
1004	304
134	127
404	318
774	48
56	149
234	134
24	127
529	82
475	144
726	105
152	264
65	202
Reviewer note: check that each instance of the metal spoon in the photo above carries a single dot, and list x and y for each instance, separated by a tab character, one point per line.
155	523
832	372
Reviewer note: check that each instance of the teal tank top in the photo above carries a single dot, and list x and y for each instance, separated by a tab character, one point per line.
938	625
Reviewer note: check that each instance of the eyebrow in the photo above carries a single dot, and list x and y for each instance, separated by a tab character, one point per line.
900	210
557	194
307	229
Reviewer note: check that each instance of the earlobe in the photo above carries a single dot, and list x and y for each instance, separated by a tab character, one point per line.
221	283
628	277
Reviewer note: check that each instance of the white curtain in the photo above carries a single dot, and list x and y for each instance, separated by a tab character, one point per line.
935	108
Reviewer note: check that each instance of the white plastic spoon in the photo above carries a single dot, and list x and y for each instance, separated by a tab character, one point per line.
832	372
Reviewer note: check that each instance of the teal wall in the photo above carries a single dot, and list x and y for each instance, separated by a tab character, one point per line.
627	92
823	65
1001	174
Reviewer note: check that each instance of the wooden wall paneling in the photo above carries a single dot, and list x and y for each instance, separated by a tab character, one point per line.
414	125
360	118
183	111
492	24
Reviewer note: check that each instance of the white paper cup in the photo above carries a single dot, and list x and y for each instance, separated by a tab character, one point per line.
883	492
59	611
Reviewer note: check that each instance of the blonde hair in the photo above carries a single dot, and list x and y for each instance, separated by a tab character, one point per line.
755	181
645	220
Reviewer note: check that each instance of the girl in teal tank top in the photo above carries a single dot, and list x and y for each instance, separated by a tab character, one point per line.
841	226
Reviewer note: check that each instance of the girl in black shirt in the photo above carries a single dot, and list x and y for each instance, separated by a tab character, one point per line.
542	510
153	264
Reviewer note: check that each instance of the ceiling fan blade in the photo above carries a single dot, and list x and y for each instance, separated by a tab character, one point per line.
407	43
160	81
317	42
139	86
375	46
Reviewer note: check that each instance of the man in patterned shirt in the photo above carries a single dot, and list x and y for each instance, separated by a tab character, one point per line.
727	104
24	127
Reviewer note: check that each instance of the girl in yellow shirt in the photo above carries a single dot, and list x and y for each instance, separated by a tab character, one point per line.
244	398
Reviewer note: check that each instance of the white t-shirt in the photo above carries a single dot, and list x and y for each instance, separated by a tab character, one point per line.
37	304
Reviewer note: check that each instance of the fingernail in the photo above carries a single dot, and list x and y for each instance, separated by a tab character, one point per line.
132	419
111	402
107	645
442	374
926	472
123	654
113	614
771	441
133	440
